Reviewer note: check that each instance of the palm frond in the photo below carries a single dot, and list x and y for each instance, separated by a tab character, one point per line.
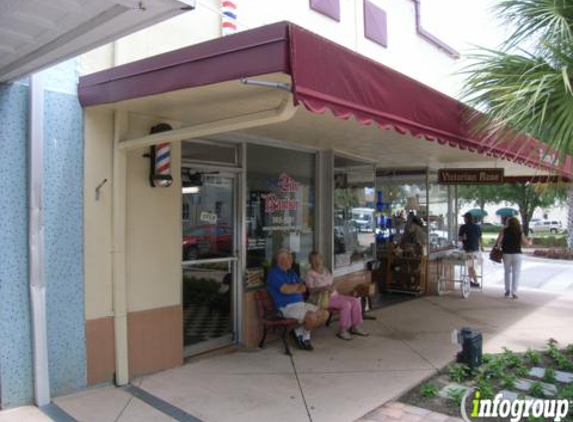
537	21
523	92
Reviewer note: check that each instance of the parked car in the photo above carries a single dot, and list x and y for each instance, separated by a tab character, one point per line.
208	240
545	226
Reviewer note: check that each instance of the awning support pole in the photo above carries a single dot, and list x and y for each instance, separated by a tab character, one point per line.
118	259
36	242
283	112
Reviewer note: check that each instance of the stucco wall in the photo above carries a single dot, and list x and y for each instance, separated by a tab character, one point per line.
153	249
153	230
98	128
407	52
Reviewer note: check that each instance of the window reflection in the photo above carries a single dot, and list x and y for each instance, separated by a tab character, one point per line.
354	216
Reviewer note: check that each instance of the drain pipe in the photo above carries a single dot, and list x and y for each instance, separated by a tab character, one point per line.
36	241
119	239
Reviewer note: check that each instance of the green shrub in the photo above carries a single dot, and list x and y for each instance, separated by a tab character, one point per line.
536	389
533	356
485	388
550	375
550	241
487	358
429	390
566	392
493	369
508	381
510	359
521	371
458	372
561	360
457	395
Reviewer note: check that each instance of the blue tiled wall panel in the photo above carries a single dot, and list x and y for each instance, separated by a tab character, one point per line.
15	341
63	204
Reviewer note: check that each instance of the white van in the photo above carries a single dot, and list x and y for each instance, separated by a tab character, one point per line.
364	219
544	226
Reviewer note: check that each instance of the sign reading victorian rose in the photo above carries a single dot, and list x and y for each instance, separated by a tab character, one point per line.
476	176
280	205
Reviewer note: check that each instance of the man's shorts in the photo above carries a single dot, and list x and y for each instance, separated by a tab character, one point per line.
298	310
472	257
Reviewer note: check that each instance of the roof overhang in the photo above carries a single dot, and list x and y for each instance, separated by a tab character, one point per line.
37	34
347	99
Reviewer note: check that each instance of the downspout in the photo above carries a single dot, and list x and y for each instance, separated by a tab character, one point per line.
118	258
119	240
36	241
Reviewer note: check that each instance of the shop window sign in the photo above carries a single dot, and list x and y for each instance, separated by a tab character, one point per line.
282	201
280	207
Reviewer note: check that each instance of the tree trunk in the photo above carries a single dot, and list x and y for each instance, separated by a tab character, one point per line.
570	217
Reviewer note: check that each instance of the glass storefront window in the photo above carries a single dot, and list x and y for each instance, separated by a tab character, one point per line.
280	207
208	216
403	193
399	197
441	215
354	212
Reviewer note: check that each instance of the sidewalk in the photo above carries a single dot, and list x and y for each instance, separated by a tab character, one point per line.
340	381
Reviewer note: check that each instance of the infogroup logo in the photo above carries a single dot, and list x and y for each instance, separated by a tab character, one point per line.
516	410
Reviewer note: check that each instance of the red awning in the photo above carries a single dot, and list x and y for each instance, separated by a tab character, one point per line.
325	76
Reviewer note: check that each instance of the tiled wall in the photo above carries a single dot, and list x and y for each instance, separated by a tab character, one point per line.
15	343
63	219
63	260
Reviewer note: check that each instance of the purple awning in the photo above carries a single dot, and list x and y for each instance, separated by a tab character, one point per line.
325	76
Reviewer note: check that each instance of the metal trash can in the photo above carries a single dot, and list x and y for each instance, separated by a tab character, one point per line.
471	341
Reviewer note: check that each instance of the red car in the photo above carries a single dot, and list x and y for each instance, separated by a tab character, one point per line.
207	241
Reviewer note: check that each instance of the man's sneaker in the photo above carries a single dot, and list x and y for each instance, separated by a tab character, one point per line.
515	296
298	340
474	284
507	293
308	345
344	335
358	331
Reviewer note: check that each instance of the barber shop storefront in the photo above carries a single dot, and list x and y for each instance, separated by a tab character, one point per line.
278	139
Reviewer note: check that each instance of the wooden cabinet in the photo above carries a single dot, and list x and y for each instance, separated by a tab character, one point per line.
406	273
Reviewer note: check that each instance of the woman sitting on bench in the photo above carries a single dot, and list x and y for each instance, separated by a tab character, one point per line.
320	281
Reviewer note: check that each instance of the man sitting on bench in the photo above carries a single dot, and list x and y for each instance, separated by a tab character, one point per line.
286	289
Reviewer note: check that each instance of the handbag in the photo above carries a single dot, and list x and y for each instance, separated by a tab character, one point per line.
496	254
320	299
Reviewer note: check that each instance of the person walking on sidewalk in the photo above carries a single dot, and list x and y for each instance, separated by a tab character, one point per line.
286	290
471	238
319	281
511	239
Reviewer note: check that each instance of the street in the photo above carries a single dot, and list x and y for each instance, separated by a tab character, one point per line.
548	275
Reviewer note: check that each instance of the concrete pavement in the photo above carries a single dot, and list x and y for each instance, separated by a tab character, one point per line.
343	381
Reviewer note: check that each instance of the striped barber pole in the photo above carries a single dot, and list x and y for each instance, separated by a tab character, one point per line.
228	17
163	162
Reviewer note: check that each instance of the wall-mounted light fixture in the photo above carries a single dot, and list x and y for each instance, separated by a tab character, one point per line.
160	160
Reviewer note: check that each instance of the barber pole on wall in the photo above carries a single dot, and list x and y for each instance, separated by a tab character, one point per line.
163	163
160	160
228	17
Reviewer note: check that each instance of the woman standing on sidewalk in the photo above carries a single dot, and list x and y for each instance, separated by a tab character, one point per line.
511	239
319	280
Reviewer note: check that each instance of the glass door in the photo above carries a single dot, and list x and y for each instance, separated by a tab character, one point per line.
209	259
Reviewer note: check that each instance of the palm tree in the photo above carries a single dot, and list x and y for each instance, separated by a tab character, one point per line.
526	85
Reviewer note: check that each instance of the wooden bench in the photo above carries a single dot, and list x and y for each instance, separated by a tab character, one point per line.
272	319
